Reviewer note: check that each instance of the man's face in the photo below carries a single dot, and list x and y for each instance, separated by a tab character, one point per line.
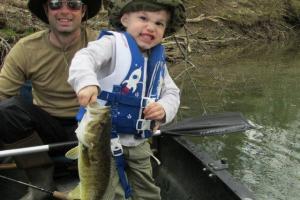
64	16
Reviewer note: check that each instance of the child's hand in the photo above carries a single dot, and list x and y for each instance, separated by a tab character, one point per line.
154	111
87	95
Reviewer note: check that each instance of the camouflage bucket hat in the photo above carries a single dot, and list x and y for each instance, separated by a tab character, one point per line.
118	7
36	7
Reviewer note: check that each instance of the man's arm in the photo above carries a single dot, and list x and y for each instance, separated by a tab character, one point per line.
12	74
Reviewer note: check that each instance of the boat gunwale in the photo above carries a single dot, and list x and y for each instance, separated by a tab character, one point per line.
231	185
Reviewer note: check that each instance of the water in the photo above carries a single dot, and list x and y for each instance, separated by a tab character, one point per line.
262	82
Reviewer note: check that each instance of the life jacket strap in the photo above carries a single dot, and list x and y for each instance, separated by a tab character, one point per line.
116	147
117	152
80	113
144	134
143	124
126	100
120	164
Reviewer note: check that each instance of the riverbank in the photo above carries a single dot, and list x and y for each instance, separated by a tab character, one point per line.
211	24
217	24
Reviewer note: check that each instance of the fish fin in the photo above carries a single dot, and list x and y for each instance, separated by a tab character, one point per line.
74	194
73	153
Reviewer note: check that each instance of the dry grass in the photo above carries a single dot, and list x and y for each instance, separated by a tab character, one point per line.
211	24
4	49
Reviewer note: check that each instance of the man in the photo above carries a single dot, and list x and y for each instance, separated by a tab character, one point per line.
43	58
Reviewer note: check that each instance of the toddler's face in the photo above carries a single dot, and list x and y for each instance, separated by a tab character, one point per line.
146	27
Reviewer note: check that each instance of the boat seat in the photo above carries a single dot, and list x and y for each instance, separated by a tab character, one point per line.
26	90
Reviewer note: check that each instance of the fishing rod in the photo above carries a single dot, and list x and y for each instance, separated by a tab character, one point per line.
55	194
206	125
5	166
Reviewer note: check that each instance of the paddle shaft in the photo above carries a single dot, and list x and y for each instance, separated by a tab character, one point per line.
35	149
56	194
217	124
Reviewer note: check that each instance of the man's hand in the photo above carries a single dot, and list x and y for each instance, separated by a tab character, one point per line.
87	95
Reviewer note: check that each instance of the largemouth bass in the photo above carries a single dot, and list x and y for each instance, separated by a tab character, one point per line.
93	153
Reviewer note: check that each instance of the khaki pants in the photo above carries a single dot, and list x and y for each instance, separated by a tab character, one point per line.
139	173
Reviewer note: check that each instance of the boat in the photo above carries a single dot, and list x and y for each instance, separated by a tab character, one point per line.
185	173
188	173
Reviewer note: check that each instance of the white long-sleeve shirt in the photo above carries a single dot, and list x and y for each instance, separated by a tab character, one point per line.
97	61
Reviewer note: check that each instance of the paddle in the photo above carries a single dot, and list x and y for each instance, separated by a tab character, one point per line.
213	124
36	149
209	125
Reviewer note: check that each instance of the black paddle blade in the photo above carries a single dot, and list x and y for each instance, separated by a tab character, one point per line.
211	124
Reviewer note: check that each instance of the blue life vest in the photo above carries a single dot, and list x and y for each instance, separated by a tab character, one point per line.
132	86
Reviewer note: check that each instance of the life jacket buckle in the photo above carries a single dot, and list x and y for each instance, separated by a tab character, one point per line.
145	101
143	124
116	147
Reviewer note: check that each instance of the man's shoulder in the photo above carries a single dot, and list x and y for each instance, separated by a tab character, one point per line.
34	37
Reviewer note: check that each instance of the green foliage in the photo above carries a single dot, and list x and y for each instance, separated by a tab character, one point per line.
29	31
11	35
8	32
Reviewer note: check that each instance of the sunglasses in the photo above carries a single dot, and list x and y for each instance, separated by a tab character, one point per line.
71	4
